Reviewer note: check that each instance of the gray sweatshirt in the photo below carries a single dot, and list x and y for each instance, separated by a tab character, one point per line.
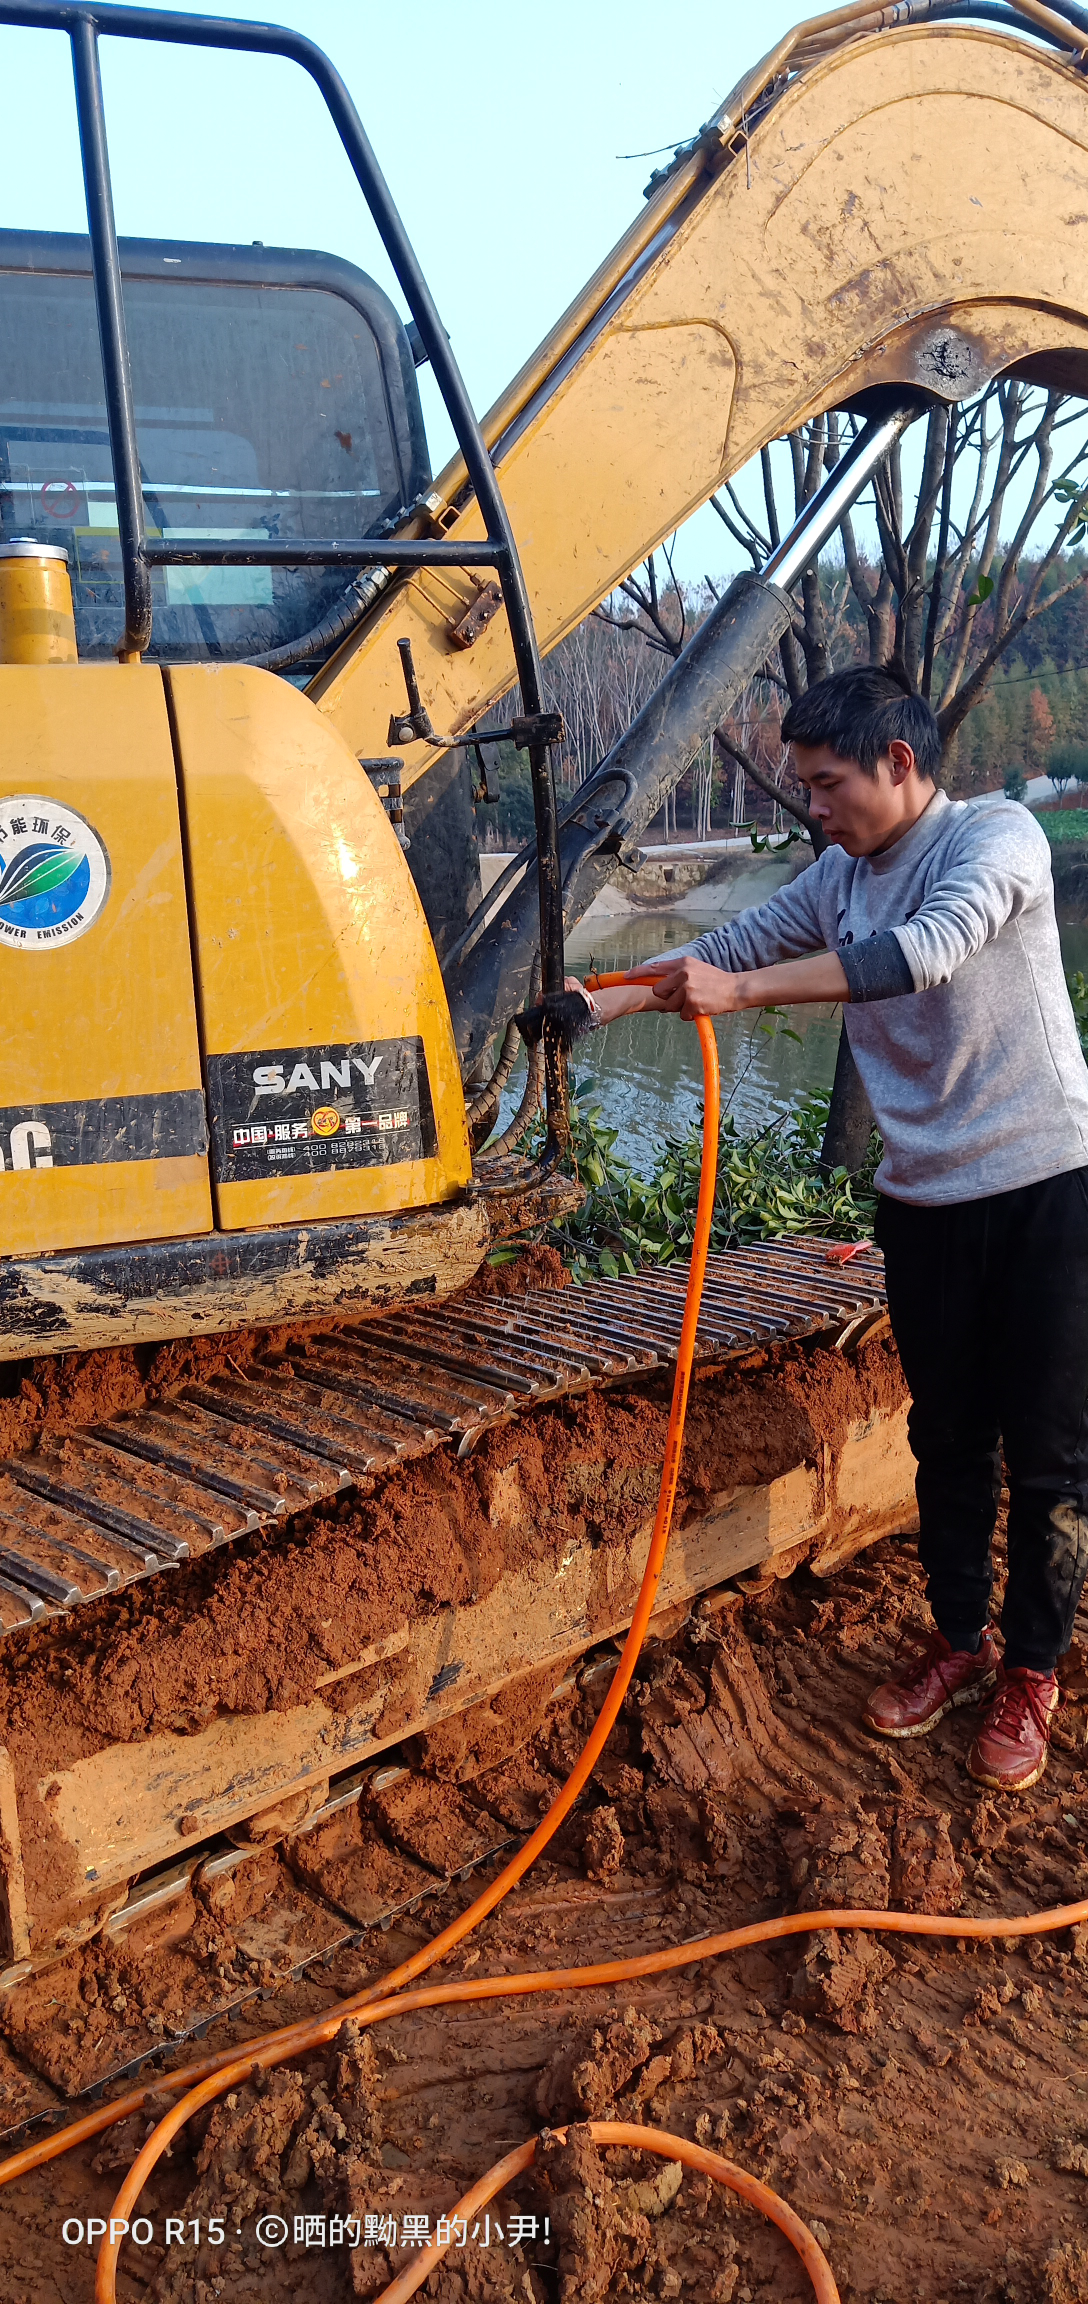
959	1018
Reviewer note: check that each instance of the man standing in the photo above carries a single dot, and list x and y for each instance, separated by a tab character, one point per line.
933	922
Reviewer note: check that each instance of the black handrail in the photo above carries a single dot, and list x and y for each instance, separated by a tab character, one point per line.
117	375
83	24
331	552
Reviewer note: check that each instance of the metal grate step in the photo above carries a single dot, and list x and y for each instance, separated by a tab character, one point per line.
151	1490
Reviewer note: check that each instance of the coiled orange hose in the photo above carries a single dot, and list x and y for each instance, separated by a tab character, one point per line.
210	2077
668	2147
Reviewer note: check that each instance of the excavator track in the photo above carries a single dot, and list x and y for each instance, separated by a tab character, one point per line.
241	1453
325	1912
332	1927
118	1502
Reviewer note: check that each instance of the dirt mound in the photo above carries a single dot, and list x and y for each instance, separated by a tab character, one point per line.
534	1265
593	2078
288	2134
1066	2272
604	2244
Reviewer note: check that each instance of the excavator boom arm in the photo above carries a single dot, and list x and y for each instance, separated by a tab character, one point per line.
873	207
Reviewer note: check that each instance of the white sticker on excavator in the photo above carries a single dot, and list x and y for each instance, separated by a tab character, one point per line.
54	873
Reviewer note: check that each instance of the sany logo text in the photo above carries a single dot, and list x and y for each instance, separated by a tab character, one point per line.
268	1079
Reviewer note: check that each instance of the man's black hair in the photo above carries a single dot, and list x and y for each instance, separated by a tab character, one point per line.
862	710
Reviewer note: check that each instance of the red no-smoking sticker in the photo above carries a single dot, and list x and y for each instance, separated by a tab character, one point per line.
61	499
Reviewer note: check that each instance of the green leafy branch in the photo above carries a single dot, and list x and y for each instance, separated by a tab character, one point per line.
769	1188
1073	494
1078	994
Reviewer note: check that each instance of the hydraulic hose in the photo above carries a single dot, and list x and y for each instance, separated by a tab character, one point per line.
204	2081
531	1097
322	638
232	2066
526	1111
483	1111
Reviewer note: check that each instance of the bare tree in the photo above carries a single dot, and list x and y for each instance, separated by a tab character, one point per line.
660	619
661	624
599	677
947	591
951	591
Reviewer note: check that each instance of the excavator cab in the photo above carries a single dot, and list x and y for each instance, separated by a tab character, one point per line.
274	395
229	1089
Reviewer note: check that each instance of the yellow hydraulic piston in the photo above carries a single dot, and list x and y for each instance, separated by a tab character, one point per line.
37	624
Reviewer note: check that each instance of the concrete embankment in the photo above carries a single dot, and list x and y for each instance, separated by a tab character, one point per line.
706	880
713	880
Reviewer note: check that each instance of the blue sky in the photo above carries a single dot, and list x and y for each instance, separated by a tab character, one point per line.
504	136
499	134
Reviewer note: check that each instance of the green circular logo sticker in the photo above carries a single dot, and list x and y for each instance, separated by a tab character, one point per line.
54	873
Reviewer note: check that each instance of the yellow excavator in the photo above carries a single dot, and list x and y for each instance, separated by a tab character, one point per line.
248	648
256	1038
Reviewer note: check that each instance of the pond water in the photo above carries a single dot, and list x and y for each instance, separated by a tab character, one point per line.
647	1070
1074	945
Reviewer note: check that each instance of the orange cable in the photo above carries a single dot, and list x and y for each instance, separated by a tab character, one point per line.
314	2032
668	2147
583	1768
203	2081
478	1910
298	2039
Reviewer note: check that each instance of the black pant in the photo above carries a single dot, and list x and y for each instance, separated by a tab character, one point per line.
989	1308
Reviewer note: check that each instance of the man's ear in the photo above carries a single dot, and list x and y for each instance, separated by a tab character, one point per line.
901	756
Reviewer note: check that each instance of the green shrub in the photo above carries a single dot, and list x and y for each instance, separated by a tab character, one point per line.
1064	826
769	1186
1078	993
1067	764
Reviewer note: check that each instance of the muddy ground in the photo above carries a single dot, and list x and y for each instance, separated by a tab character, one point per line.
924	2106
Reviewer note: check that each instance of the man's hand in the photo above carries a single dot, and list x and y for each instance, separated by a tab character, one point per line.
691	988
675	990
614	1000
